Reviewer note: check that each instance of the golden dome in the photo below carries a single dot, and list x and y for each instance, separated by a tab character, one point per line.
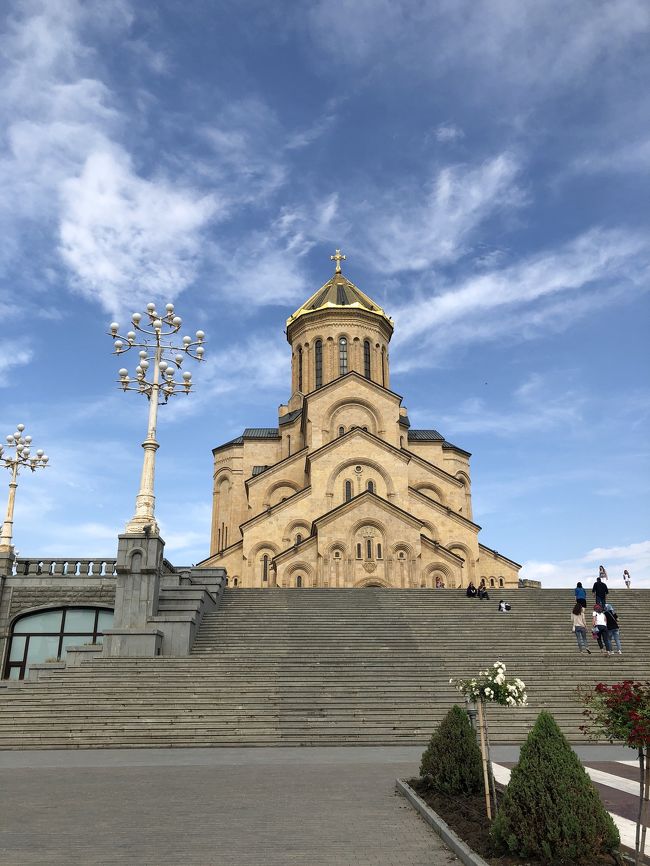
339	292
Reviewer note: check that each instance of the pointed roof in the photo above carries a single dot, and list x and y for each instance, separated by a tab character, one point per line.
339	292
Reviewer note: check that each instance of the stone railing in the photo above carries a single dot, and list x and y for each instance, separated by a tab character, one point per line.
65	567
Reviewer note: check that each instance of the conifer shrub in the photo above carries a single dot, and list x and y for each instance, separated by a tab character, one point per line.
551	809
451	763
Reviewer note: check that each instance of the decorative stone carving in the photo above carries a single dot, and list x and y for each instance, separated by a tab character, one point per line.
369	566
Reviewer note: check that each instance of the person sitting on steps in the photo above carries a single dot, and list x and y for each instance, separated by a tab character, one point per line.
504	607
482	590
471	590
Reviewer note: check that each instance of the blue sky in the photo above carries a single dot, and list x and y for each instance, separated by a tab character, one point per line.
484	166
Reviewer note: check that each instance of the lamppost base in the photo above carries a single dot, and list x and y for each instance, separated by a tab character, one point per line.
142	526
6	550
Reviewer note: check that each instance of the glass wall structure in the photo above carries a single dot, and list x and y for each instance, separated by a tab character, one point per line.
45	635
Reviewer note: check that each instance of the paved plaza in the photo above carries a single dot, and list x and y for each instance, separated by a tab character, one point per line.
218	807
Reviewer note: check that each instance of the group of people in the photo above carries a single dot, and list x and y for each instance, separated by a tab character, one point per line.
605	626
481	592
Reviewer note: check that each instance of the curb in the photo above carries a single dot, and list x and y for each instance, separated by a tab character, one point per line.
460	849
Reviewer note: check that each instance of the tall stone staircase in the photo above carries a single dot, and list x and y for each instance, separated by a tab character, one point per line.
328	667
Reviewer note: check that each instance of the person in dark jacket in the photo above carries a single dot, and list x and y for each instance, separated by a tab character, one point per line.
600	590
613	628
471	590
581	595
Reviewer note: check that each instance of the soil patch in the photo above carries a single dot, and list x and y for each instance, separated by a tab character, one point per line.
466	817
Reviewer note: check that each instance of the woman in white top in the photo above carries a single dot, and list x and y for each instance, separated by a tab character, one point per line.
579	627
600	623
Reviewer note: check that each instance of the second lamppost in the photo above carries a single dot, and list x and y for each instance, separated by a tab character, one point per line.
158	376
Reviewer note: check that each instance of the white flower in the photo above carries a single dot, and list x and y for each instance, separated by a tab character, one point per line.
499	679
451	681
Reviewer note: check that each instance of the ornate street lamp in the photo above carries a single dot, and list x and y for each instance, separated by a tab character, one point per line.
160	360
21	457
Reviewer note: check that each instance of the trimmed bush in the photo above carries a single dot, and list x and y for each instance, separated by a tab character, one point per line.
451	763
551	809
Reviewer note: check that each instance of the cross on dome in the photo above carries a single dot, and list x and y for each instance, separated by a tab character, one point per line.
338	258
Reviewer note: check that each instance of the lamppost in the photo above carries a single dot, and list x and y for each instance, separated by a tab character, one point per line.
22	457
160	359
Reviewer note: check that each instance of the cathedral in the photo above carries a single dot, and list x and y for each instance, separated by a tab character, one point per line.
343	492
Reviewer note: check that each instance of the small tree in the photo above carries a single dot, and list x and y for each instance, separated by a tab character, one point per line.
451	763
622	712
551	808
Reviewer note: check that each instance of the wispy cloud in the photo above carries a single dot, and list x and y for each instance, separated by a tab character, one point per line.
446	132
12	354
536	406
540	292
634	557
410	231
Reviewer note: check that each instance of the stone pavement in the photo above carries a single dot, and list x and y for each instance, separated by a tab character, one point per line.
212	807
219	807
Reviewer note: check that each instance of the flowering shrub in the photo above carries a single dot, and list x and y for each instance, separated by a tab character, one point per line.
619	712
493	685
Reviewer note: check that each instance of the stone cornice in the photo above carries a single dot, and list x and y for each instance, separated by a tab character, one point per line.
314	395
357	430
498	555
443	509
269	471
272	508
220	553
294	548
432	466
356	500
440	547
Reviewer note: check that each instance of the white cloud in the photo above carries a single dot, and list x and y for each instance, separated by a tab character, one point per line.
537	407
13	353
410	232
531	47
543	291
617	158
634	557
129	240
446	132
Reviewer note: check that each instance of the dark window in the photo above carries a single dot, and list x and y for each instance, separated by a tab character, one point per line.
299	581
500	581
265	567
366	358
46	634
378	550
318	352
235	582
359	551
298	538
371	486
300	369
491	581
369	548
341	431
348	491
343	356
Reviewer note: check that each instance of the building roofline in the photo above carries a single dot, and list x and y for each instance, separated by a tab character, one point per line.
430	465
361	378
353	430
446	509
272	508
499	555
356	499
273	466
220	552
438	546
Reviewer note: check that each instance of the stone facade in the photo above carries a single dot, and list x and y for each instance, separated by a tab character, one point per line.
343	493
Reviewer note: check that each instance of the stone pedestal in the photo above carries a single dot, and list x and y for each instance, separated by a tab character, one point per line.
139	565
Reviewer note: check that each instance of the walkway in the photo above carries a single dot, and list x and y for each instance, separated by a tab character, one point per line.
232	807
212	807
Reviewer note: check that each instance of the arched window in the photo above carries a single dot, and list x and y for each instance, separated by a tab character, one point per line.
46	634
348	491
341	431
298	581
492	581
298	538
369	548
500	581
343	356
366	358
359	554
265	567
383	366
235	581
371	486
378	550
337	554
300	369
318	357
